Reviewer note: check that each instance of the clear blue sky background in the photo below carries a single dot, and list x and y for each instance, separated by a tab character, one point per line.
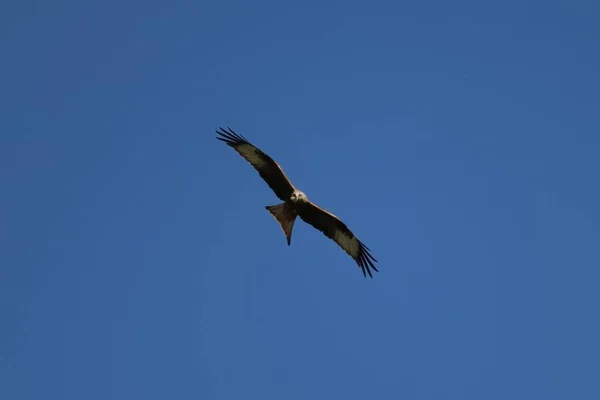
459	140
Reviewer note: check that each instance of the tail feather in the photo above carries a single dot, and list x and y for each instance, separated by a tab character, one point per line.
286	218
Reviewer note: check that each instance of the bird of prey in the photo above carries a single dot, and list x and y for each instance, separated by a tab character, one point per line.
295	203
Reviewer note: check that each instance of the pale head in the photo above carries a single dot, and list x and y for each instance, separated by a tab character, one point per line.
298	197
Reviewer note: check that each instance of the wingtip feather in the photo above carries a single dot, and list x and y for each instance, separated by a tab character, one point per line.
230	137
365	260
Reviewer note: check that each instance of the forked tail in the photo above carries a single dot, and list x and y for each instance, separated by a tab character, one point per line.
286	217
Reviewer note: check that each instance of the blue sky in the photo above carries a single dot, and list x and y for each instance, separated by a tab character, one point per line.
458	140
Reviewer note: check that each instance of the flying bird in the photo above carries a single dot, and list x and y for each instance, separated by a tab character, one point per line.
296	204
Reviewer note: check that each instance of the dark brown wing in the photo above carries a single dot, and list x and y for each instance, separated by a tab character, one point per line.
335	229
267	168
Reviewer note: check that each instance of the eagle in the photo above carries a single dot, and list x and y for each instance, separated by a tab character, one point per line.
296	204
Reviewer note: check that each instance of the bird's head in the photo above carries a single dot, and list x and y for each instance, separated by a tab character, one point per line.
298	197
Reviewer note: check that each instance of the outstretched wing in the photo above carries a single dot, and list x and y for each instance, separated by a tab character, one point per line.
267	168
335	229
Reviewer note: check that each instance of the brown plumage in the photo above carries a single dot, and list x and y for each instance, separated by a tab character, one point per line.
295	203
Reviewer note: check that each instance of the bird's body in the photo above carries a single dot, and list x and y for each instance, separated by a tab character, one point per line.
286	212
296	204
